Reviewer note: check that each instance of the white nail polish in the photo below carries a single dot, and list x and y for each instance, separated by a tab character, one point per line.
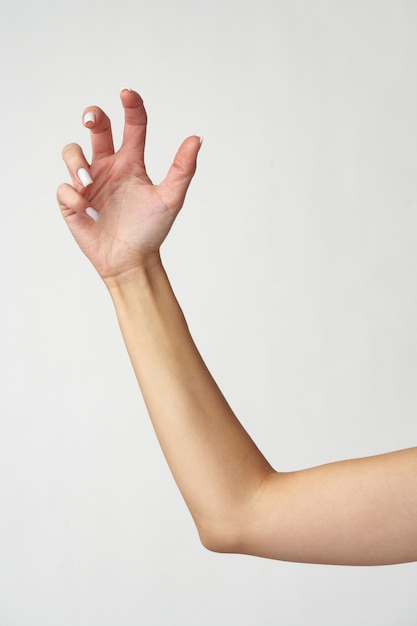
84	177
90	116
92	213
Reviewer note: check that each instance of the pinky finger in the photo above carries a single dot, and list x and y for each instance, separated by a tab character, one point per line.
72	203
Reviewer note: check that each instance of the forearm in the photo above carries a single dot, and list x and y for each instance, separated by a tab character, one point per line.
358	512
216	465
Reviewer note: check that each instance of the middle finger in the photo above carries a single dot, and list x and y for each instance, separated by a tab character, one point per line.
101	134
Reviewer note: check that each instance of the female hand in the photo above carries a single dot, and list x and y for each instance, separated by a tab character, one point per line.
117	216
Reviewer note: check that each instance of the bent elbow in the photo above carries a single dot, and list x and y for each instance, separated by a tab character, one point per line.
221	537
238	528
213	543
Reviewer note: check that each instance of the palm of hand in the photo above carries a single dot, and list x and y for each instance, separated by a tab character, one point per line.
133	220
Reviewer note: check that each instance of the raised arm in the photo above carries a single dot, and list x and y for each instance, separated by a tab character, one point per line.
353	512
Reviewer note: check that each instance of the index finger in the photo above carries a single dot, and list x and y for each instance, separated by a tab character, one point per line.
134	133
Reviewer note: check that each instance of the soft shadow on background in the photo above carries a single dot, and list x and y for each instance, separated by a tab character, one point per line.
294	259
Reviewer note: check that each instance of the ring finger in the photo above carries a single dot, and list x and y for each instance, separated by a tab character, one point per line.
77	166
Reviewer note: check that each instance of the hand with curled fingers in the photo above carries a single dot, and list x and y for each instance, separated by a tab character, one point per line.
118	217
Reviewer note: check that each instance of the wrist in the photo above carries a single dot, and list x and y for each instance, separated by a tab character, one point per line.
138	277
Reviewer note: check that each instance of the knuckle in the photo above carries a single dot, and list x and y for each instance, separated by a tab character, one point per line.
62	191
70	149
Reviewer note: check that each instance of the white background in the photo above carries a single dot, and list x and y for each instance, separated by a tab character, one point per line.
294	260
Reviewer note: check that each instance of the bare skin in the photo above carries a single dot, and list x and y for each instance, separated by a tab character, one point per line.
355	512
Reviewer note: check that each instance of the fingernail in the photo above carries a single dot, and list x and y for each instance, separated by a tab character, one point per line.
201	140
84	177
126	89
92	213
90	116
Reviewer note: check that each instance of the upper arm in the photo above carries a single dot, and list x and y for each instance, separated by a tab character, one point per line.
356	512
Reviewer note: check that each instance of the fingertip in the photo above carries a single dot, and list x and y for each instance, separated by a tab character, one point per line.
191	146
197	141
95	118
89	119
125	93
84	177
130	98
99	125
92	213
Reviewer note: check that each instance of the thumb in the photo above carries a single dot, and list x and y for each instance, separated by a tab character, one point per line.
181	172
